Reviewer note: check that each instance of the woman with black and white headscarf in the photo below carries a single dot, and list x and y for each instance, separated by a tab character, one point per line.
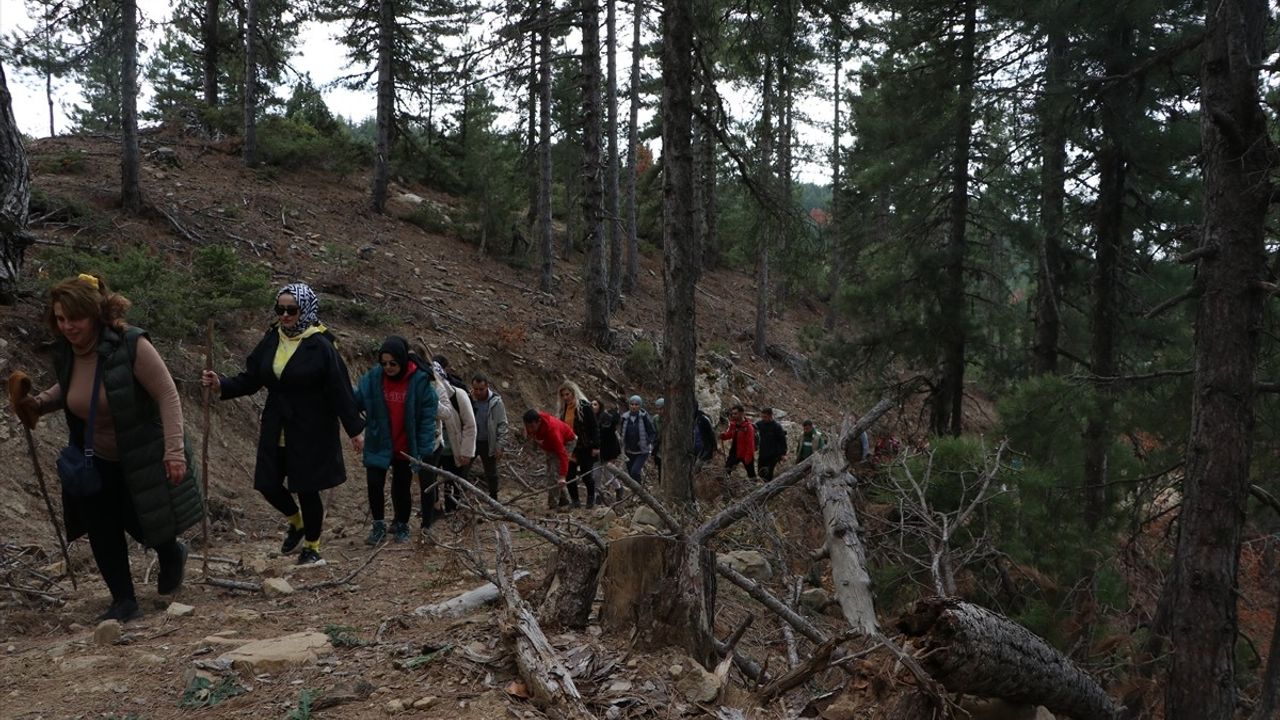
308	395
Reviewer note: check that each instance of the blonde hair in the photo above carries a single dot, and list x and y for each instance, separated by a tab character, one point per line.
86	296
571	386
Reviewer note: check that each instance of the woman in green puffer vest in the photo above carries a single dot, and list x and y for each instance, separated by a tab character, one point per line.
149	488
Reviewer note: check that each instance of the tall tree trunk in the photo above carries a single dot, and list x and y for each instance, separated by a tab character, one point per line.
785	182
531	217
1053	134
130	163
250	149
767	227
386	105
948	401
836	272
612	213
209	53
1237	160
596	323
15	194
48	64
546	242
1110	234
710	245
633	147
680	263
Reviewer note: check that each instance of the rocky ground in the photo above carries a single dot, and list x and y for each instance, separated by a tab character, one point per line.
447	297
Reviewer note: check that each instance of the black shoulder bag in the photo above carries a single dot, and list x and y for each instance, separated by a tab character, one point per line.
79	476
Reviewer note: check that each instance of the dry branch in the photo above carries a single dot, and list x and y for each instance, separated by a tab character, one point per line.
804	627
852	582
753	501
346	578
667	518
466	602
545	675
817	662
972	650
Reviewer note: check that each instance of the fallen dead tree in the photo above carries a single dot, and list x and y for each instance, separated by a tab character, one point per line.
540	666
972	650
466	602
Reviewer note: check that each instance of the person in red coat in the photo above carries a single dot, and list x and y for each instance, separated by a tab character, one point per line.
742	448
557	440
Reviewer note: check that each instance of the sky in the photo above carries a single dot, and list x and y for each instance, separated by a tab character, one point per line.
318	54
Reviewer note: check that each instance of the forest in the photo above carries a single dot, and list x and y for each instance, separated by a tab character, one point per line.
1040	230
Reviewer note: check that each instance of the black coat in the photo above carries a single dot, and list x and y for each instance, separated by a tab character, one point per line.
773	440
307	401
584	426
607	423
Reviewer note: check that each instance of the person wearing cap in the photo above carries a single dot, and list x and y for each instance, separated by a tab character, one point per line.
773	443
557	440
638	436
399	402
811	441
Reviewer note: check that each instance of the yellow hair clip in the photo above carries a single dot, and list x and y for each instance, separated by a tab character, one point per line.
90	280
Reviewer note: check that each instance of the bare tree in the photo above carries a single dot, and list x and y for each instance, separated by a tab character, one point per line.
15	193
1237	160
386	105
633	147
250	149
209	53
611	208
546	245
130	162
596	323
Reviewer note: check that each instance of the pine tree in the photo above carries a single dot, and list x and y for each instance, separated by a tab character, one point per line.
596	323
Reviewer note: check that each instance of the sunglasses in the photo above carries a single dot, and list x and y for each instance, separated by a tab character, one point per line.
287	309
389	363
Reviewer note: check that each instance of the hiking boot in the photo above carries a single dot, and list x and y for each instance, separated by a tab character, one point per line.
401	532
308	557
377	533
122	610
292	537
170	578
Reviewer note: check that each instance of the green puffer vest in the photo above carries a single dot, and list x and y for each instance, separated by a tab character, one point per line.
164	510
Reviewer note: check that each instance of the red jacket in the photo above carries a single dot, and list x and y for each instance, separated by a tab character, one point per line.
743	433
552	436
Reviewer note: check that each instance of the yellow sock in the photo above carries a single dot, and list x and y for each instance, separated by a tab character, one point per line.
295	520
313	545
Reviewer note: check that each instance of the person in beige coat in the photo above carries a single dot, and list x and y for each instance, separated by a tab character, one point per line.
456	423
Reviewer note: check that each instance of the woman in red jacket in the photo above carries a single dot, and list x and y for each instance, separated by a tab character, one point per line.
742	449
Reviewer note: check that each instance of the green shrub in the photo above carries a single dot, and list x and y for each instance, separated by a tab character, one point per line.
66	162
71	211
643	365
169	300
428	216
291	143
344	636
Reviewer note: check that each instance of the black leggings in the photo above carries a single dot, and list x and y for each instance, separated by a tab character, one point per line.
401	490
108	516
582	467
282	500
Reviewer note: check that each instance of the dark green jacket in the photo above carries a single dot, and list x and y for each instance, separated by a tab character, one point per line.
164	510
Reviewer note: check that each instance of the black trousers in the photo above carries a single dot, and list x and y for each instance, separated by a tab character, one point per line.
767	466
733	460
282	500
401	490
490	468
581	465
108	516
427	498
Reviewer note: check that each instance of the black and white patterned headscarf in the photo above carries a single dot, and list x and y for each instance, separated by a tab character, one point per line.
308	305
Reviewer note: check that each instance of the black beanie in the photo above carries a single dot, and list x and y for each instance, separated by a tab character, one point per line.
398	348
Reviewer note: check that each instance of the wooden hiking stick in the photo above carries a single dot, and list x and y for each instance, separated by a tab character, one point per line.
20	386
204	454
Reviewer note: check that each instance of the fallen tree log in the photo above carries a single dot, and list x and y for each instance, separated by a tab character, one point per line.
832	482
540	666
467	602
974	651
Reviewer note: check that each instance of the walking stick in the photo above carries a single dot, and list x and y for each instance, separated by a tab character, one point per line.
20	386
204	454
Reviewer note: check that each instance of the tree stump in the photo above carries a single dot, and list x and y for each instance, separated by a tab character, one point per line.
659	586
571	585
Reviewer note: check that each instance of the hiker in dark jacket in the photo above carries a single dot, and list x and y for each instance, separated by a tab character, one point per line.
704	438
308	395
399	405
491	428
773	443
148	484
576	412
607	423
638	436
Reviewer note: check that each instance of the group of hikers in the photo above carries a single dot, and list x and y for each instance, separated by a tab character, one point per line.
128	468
